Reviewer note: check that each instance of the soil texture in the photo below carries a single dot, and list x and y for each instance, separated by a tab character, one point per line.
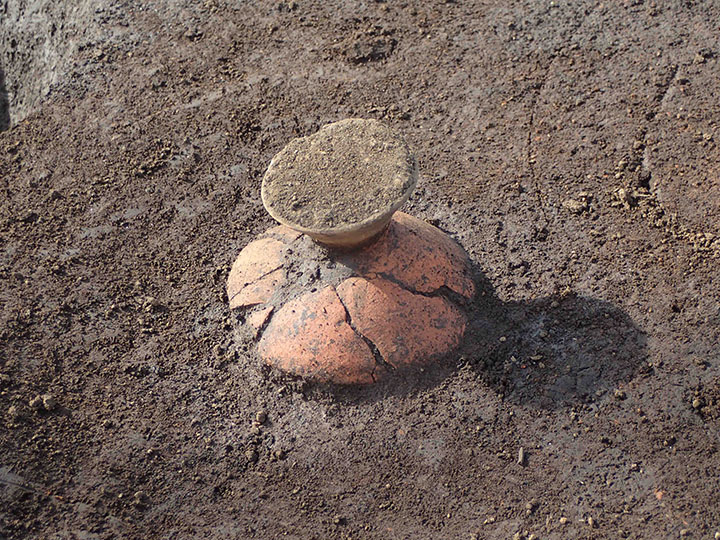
570	147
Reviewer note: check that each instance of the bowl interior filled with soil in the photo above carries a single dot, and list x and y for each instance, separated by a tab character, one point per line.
341	185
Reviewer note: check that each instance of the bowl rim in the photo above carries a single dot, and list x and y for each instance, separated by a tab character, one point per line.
343	229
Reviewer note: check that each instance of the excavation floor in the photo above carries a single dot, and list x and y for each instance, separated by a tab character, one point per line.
571	148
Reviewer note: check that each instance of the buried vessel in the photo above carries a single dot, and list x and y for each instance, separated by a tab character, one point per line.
347	290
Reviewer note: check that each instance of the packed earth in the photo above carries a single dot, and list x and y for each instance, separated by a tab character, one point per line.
572	148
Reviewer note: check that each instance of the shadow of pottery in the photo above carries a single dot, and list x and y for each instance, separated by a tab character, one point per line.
555	351
547	353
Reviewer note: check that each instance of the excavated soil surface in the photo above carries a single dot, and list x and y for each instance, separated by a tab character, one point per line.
570	147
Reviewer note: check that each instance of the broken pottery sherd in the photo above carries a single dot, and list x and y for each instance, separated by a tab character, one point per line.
354	317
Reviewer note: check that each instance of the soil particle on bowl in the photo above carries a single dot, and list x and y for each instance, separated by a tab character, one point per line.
344	174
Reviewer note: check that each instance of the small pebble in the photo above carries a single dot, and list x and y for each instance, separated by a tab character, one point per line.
36	403
260	417
563	520
150	304
591	522
696	403
717	535
684	532
13	413
49	402
619	394
575	206
521	456
251	455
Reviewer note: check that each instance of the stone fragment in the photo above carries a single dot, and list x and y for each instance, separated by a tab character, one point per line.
49	402
14	413
575	206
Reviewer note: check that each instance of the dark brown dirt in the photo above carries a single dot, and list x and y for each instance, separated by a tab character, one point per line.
346	173
128	193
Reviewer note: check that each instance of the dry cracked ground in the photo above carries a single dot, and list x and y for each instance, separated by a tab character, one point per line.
571	148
